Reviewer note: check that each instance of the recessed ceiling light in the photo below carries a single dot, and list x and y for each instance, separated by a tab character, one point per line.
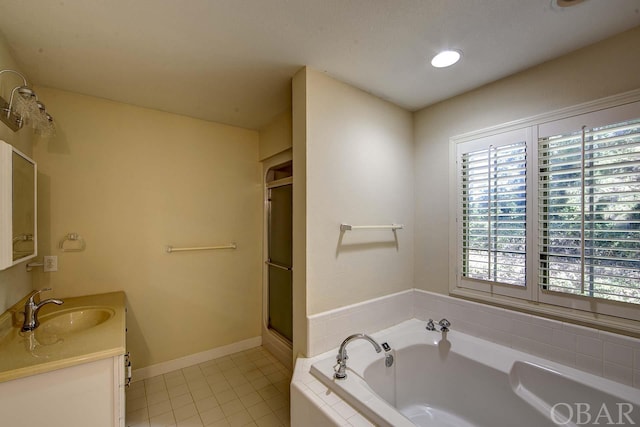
446	58
566	3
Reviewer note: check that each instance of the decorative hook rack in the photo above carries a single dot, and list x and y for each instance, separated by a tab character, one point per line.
349	227
170	249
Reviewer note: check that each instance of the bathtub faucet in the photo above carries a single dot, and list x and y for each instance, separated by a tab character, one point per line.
444	325
342	353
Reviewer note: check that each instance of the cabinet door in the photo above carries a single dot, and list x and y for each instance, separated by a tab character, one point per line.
78	396
119	390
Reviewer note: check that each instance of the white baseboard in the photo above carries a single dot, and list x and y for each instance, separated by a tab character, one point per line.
194	359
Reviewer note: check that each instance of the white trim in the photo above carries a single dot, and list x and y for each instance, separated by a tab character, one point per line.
497	140
533	226
118	391
6	232
453	215
194	359
591	120
6	205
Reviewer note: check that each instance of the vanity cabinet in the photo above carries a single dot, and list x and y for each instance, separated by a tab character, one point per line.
89	394
57	378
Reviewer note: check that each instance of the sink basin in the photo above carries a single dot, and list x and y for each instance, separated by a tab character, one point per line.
74	320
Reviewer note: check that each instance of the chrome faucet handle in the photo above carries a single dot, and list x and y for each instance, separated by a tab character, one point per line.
33	294
341	366
31	309
444	325
430	325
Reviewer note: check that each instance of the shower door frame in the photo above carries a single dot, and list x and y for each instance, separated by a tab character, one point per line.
269	187
278	345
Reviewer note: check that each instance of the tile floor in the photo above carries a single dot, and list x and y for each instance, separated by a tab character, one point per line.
249	388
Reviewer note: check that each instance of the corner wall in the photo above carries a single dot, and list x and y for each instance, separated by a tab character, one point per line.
357	152
597	71
131	181
359	171
276	136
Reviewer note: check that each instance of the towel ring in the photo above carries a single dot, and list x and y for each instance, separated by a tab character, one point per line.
72	237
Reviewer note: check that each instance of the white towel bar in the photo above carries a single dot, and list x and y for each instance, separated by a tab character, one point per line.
347	227
171	249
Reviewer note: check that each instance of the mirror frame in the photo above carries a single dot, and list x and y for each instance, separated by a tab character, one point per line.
6	206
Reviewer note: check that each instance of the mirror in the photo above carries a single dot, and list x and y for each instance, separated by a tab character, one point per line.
18	173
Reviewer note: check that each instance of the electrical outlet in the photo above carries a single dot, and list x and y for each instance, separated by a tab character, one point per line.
50	263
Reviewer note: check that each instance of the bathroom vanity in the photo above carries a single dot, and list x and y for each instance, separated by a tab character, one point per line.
70	371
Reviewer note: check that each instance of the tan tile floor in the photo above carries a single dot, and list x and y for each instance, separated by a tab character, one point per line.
249	388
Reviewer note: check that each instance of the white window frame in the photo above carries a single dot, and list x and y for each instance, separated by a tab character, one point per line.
497	140
627	106
591	120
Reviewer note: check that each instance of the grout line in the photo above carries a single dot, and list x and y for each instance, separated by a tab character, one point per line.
248	387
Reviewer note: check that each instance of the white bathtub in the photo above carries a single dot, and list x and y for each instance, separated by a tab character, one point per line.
465	381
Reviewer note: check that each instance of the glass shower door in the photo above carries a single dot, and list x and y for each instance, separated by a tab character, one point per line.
279	261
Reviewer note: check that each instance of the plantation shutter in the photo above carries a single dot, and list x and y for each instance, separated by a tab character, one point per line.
492	218
589	211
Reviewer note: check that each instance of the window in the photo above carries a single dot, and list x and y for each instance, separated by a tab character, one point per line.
589	212
494	214
551	212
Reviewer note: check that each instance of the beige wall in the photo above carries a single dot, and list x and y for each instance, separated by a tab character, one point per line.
606	68
359	170
276	137
15	282
131	181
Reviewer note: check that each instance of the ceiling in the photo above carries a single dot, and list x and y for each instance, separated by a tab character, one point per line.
231	61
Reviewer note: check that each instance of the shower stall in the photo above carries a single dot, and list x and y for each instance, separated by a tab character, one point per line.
278	271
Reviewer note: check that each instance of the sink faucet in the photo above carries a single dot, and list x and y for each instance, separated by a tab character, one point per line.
31	309
342	353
